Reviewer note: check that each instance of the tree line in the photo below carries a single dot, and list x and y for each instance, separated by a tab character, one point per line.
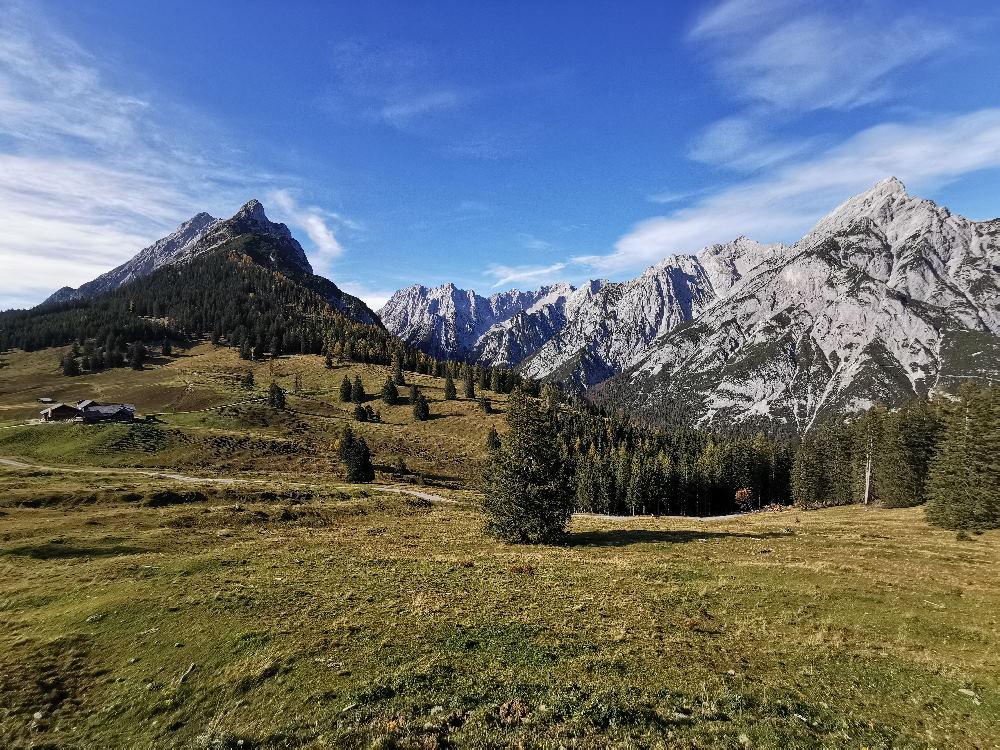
942	452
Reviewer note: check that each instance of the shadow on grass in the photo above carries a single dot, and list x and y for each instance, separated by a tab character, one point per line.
61	551
625	537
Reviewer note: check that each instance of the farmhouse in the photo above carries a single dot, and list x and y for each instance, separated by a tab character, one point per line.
58	412
94	412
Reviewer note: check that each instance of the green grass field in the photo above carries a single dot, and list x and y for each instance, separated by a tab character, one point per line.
287	609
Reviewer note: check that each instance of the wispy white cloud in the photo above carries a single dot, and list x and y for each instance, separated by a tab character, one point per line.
785	204
809	55
313	220
782	58
531	242
90	174
534	274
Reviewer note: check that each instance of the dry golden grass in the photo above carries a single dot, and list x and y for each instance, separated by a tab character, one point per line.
354	618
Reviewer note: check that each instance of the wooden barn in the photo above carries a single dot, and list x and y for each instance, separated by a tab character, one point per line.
60	412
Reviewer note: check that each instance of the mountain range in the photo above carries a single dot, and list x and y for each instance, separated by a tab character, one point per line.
888	297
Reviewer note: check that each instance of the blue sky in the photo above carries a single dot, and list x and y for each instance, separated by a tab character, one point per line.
492	144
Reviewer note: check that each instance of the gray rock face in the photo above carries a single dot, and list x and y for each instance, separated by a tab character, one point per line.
888	297
203	233
175	246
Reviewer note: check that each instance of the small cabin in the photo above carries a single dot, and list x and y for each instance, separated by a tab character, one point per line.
108	413
46	400
60	412
87	402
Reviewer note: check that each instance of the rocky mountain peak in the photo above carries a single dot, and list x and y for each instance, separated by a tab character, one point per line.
251	218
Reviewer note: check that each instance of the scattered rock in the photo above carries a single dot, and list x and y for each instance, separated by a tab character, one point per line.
38	716
437	710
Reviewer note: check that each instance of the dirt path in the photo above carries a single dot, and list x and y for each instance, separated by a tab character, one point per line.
399	490
215	480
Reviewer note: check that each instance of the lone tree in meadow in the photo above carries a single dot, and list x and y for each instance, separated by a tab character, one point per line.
449	387
397	371
528	491
276	396
492	440
390	394
421	409
247	382
345	389
468	384
414	392
357	457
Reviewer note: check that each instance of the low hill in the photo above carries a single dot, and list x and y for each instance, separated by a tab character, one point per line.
206	419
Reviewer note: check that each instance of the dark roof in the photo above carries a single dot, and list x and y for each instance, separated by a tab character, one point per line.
85	403
108	409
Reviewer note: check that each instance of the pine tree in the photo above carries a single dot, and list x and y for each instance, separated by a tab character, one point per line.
345	389
276	396
963	486
492	440
484	405
358	394
70	368
247	382
360	413
328	361
165	349
421	409
910	436
468	385
414	393
246	350
528	490
390	394
397	371
137	357
357	457
449	388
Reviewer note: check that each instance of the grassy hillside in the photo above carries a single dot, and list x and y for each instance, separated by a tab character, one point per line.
192	430
271	603
332	616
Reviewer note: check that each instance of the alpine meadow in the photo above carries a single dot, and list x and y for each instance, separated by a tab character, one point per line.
711	459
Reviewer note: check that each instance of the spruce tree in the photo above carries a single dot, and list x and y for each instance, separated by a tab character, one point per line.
246	350
328	361
492	440
247	382
963	487
356	456
389	392
137	356
528	494
165	349
449	388
397	371
276	396
468	385
358	394
484	405
414	393
421	409
345	389
360	413
70	368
